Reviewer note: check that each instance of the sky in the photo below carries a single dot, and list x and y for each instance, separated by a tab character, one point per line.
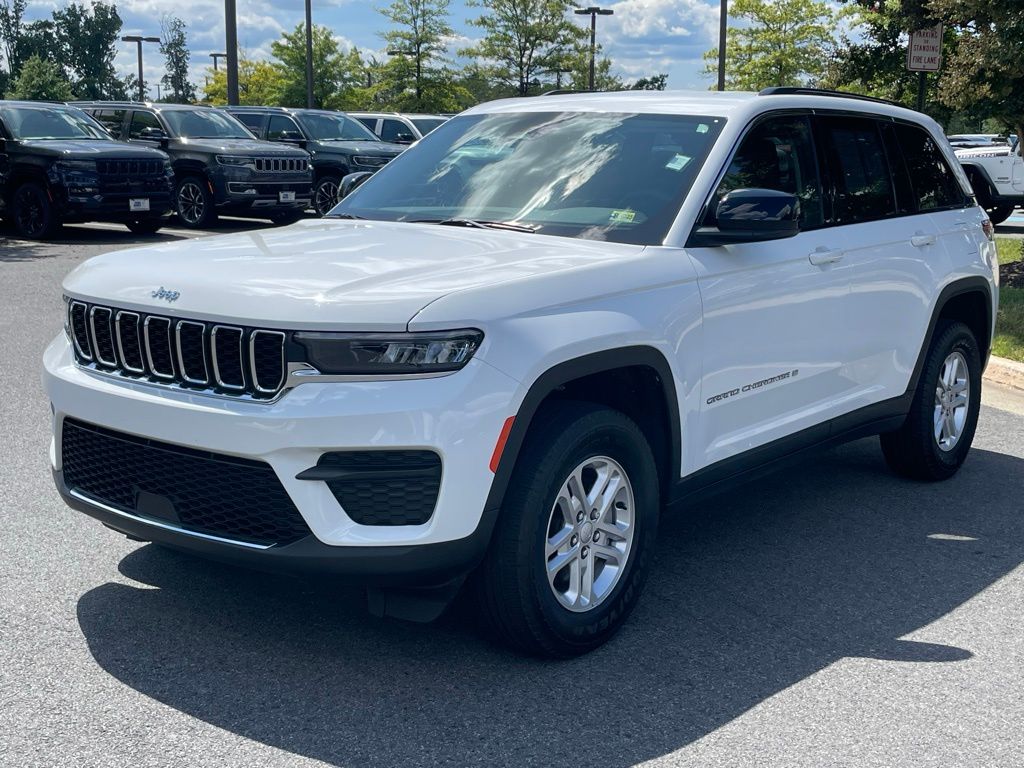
643	37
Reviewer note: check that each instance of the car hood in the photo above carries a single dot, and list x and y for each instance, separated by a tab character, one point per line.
377	148
241	147
327	274
88	150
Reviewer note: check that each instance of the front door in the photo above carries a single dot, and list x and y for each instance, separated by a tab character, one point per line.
772	329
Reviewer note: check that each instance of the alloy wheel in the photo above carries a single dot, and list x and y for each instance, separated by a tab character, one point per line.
952	400
30	215
191	203
326	196
589	534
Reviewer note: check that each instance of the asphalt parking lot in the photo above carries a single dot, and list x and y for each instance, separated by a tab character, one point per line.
830	615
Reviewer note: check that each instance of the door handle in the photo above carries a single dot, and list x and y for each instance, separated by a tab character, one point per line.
921	240
822	256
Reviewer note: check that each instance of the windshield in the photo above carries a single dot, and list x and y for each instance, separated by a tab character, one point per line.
204	124
426	124
336	128
593	175
51	123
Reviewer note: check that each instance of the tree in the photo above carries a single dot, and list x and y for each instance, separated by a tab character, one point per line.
985	70
579	72
174	48
333	71
12	33
779	42
652	83
260	83
40	80
524	39
87	36
419	37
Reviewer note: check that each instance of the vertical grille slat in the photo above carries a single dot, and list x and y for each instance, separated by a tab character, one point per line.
188	354
226	353
191	341
129	343
266	359
102	336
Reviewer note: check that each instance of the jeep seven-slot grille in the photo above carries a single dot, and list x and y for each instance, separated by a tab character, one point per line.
281	164
208	493
192	354
129	167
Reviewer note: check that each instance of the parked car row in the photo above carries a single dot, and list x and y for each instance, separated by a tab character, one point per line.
140	163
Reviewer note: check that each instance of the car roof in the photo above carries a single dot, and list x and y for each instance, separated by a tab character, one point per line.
157	106
28	103
725	104
282	110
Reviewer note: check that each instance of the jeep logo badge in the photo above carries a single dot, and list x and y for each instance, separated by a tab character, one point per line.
163	293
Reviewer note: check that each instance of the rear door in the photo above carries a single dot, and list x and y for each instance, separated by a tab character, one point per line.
892	253
772	328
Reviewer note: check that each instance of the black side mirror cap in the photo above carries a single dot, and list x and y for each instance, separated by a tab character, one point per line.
750	216
351	181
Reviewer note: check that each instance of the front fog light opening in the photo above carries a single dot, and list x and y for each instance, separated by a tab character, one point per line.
389	353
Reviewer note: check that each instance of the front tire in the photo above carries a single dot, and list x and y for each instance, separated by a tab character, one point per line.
325	194
997	214
33	213
573	542
933	442
194	203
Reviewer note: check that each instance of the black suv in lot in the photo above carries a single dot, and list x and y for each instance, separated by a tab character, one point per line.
219	166
337	144
58	165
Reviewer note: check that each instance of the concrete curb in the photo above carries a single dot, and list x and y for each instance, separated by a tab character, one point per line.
1009	373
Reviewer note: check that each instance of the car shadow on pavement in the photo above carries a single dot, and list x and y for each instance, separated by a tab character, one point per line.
752	591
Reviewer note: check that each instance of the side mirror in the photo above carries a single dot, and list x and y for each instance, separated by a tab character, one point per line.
404	138
751	216
351	181
154	134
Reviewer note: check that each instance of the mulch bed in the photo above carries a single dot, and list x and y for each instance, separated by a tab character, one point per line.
1012	275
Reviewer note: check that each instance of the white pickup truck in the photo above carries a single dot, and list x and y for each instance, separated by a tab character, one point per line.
997	175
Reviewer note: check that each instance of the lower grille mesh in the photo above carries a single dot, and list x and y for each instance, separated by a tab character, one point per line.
203	492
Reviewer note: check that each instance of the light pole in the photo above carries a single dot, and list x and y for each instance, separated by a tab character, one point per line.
216	57
416	53
593	11
139	40
723	23
231	44
309	54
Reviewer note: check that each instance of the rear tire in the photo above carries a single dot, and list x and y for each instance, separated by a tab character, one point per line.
999	213
194	203
33	213
933	442
560	579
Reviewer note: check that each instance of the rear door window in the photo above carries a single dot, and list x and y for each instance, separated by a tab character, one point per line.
862	185
932	180
251	120
369	122
112	120
779	154
395	130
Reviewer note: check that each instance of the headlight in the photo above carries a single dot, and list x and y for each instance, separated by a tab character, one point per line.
389	353
369	161
76	166
236	161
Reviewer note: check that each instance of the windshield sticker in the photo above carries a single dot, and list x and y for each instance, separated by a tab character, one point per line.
677	163
622	217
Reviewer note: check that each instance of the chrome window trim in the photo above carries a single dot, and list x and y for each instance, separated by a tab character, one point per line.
241	360
92	338
181	361
120	344
149	353
165	526
71	327
252	362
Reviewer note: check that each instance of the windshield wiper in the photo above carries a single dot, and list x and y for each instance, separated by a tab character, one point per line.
479	224
343	216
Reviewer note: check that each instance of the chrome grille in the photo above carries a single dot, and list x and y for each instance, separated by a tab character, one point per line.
281	164
186	354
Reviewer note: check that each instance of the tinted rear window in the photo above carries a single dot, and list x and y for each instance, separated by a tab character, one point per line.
860	171
932	180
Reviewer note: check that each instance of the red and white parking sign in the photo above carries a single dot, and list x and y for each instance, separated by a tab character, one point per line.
925	51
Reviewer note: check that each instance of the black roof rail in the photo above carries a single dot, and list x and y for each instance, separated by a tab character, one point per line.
786	90
565	92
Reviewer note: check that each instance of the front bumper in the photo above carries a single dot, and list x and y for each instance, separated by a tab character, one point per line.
239	192
458	416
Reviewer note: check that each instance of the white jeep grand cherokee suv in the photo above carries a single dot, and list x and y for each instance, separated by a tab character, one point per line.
509	349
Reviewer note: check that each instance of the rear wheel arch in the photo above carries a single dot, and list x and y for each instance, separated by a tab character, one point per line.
636	381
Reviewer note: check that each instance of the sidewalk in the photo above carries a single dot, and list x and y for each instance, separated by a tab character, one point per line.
1007	372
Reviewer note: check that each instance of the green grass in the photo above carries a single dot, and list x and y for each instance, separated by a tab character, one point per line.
1009	340
1009	249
